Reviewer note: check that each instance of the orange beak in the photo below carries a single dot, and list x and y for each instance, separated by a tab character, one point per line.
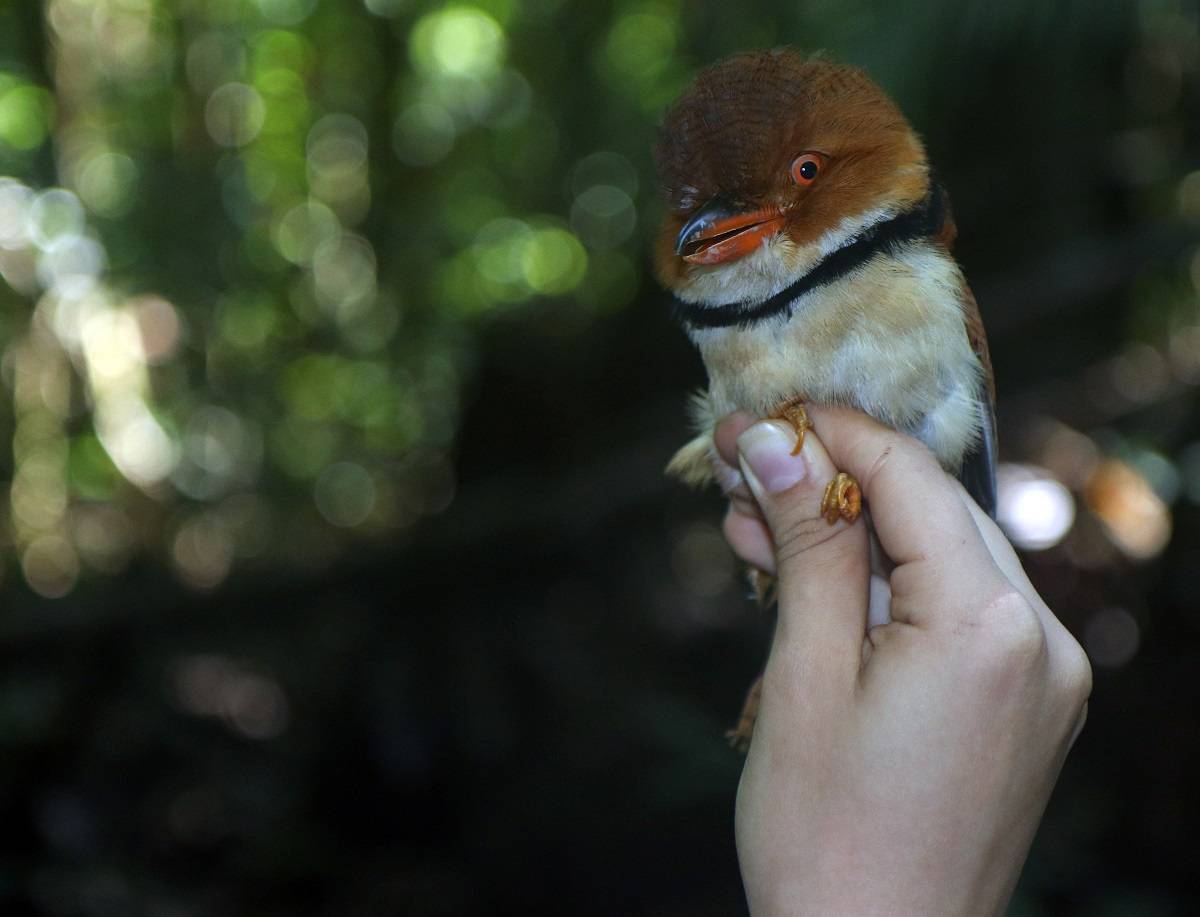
716	233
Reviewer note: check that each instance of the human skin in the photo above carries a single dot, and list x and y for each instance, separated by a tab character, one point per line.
902	768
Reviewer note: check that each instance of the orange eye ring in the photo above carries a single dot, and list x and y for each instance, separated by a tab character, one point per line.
806	167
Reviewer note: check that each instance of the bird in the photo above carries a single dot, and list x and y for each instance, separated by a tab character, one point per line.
807	246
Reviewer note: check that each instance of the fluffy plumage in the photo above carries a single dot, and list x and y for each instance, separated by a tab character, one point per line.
896	334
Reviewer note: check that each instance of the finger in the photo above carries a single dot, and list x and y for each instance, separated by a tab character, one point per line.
921	523
879	608
902	482
1066	656
943	564
822	569
725	437
750	539
998	546
744	527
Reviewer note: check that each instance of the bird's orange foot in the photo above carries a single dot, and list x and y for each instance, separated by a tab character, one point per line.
842	500
793	412
739	736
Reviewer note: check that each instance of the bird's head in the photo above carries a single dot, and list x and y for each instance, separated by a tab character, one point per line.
769	161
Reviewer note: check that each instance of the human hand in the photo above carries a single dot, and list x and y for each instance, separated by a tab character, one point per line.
900	769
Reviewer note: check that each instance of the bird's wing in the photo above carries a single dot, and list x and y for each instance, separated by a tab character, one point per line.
978	471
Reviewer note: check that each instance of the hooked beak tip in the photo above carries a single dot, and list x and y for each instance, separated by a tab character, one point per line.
691	231
700	223
718	232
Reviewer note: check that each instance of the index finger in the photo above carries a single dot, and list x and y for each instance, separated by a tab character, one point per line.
915	509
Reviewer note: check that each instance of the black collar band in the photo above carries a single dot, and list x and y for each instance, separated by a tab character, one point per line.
921	222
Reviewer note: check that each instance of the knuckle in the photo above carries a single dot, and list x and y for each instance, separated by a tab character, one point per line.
1077	675
1080	722
1012	636
1072	670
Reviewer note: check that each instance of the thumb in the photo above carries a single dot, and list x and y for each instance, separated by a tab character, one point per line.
823	569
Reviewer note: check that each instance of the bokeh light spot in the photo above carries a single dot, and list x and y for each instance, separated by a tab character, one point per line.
234	114
252	703
214	58
50	566
603	216
343	271
219	450
1135	517
202	552
553	261
247	324
604	168
286	12
498	255
137	443
424	133
74	263
257	707
104	536
112	342
510	100
337	162
385	8
1034	510
1111	637
24	115
159	325
106	183
1189	196
303	228
54	217
309	386
640	46
15	202
300	448
345	494
459	41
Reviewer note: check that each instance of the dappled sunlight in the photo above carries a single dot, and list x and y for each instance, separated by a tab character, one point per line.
365	225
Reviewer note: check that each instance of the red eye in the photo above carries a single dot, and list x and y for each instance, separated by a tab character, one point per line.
806	167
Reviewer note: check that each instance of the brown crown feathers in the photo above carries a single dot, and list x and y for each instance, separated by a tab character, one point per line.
736	130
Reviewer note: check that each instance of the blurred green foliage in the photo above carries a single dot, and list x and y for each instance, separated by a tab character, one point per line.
245	243
248	242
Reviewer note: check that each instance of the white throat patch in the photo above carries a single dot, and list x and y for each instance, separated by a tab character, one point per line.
773	266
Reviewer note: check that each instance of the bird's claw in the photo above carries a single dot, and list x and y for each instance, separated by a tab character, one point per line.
842	500
794	413
843	496
740	735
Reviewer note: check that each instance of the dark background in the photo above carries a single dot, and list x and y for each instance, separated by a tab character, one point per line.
340	574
